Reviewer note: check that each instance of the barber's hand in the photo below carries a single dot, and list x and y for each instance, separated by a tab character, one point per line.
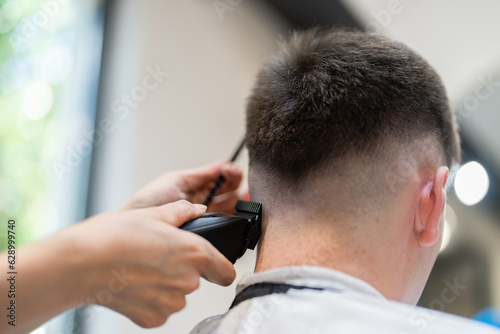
193	185
136	262
158	263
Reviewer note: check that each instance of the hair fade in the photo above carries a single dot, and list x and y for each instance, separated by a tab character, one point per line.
331	93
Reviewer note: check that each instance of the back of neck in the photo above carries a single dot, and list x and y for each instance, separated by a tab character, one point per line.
358	253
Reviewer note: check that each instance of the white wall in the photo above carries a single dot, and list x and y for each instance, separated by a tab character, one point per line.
458	37
194	116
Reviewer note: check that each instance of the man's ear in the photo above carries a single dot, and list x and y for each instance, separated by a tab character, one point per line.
431	207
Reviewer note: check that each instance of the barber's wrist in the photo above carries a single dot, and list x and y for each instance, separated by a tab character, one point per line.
73	266
83	264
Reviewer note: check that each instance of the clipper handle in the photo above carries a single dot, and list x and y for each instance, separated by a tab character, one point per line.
233	234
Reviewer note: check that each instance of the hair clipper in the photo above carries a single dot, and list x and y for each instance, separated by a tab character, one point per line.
232	234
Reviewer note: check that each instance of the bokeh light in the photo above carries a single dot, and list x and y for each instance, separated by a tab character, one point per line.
38	100
54	64
37	45
489	315
471	183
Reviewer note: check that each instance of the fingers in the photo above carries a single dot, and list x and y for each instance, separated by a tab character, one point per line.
193	185
195	179
174	186
202	179
232	178
216	268
227	194
224	203
212	264
179	212
158	192
227	201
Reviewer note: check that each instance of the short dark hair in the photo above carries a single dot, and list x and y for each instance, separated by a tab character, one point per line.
329	93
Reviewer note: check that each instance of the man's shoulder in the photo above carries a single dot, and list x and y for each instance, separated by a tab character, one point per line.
304	311
316	300
340	313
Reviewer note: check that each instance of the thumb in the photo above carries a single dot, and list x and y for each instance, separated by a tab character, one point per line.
177	213
217	269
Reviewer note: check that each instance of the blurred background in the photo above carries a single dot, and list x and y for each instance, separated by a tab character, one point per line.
99	97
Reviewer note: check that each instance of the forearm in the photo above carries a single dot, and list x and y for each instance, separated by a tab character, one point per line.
48	282
136	262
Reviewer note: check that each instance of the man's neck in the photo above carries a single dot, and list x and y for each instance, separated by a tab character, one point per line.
361	253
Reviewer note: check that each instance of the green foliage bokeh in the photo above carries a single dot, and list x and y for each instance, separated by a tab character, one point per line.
28	31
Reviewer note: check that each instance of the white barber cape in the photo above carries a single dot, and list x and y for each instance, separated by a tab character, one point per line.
329	301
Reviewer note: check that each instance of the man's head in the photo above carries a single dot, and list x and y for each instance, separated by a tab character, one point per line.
351	129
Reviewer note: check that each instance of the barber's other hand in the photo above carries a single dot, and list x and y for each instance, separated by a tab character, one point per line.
144	263
193	185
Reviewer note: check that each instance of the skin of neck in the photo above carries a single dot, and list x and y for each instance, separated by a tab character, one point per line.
392	249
